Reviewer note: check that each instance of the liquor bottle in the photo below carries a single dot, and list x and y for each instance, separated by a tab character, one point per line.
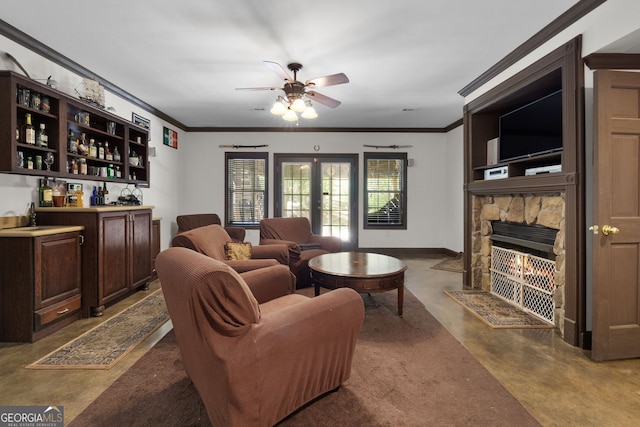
100	196
107	153
74	167
94	196
46	194
29	131
83	147
116	155
100	151
105	193
72	144
42	139
93	150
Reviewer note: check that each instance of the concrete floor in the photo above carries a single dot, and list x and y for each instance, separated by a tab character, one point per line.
556	382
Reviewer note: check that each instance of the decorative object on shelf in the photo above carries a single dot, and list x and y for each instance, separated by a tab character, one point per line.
170	137
244	146
293	102
140	121
92	92
393	147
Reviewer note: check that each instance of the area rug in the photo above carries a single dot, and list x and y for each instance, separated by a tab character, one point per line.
103	346
496	312
450	264
407	371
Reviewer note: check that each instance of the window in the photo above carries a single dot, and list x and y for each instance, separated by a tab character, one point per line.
385	187
246	183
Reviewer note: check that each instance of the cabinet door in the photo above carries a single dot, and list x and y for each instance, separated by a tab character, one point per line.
58	275
113	267
140	247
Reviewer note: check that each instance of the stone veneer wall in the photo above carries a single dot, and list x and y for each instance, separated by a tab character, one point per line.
547	210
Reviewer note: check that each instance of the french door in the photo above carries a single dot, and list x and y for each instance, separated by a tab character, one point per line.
321	187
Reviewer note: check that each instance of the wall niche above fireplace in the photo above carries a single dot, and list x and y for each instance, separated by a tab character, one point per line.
560	71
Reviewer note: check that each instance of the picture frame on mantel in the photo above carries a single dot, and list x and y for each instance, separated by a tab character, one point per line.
170	137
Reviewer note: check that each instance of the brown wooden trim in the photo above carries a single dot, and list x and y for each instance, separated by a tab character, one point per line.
568	18
316	129
613	61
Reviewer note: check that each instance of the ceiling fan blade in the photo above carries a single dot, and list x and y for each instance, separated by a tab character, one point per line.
277	68
258	88
322	99
334	79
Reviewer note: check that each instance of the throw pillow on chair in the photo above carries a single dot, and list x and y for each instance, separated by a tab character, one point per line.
238	251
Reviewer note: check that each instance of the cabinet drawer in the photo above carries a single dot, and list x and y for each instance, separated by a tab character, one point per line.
57	311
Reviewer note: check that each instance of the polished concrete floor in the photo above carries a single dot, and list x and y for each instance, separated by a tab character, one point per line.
556	382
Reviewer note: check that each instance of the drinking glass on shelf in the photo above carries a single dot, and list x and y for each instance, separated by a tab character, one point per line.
48	160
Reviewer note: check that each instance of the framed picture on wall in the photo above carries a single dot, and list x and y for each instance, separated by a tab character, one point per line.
170	137
140	121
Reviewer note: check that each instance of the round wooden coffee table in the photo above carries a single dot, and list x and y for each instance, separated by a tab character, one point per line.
361	271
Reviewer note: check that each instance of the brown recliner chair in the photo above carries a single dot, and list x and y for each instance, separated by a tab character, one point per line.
211	240
189	222
255	360
302	243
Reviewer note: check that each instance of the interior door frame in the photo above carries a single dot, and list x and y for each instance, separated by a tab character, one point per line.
316	191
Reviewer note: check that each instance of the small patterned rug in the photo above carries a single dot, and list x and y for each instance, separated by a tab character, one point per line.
103	346
450	264
496	312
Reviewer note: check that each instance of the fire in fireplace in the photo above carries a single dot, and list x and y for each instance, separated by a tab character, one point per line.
523	267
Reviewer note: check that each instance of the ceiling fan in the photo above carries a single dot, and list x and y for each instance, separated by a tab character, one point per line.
296	92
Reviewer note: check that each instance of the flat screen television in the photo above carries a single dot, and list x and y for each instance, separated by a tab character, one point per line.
533	129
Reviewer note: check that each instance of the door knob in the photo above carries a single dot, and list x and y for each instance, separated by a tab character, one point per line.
608	229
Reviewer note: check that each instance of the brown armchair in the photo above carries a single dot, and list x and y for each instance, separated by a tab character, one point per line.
189	222
254	362
302	243
211	240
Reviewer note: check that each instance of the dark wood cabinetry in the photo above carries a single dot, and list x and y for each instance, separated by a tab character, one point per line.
63	115
155	246
116	256
40	285
563	70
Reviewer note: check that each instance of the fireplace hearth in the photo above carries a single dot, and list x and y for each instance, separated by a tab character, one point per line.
518	252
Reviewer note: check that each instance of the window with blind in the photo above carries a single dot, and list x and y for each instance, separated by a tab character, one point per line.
246	184
385	187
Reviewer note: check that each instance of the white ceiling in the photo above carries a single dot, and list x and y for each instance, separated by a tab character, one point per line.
406	60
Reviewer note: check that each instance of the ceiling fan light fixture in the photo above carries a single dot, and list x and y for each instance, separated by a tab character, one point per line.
298	105
278	107
290	116
309	112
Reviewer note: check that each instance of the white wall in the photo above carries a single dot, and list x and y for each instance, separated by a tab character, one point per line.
428	189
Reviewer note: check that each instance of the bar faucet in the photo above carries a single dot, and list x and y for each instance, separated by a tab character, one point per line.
32	214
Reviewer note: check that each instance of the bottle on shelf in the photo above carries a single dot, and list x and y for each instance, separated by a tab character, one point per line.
100	151
29	162
107	153
93	150
116	154
82	166
29	131
105	193
42	139
46	194
94	196
74	167
72	144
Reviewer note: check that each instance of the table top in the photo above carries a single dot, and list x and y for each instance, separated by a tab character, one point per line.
356	264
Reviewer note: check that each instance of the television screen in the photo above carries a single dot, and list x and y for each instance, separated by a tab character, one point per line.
533	129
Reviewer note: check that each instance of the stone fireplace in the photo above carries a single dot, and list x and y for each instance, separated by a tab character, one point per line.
546	210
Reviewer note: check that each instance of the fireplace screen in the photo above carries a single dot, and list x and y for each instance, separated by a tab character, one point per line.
524	280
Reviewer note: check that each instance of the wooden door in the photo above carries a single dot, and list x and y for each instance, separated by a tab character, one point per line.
616	256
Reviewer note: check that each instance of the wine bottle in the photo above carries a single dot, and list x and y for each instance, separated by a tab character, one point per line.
29	131
46	194
42	140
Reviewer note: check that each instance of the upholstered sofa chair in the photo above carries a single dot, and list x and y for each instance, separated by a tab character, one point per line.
254	350
302	243
213	240
191	221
